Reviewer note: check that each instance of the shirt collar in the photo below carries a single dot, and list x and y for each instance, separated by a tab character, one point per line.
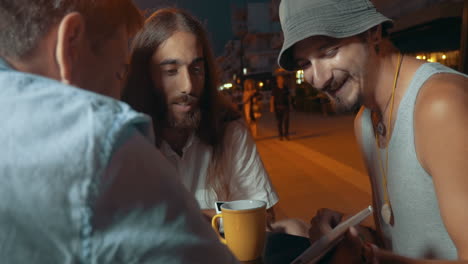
166	148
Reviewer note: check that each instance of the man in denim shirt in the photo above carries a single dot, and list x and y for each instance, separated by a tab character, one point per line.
79	181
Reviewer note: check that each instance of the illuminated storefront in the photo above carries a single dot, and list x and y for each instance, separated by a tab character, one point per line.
435	41
448	58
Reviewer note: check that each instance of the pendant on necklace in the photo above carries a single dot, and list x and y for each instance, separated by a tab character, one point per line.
381	128
386	213
377	123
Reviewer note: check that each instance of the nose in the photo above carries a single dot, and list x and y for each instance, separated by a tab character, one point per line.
186	85
318	75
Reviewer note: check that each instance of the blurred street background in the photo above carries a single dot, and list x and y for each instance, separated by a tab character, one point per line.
320	166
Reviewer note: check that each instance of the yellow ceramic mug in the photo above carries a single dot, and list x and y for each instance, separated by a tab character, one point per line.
244	228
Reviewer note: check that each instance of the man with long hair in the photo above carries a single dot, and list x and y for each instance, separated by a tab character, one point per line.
411	129
80	179
173	79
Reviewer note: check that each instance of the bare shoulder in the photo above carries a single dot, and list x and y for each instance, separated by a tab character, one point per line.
442	96
440	123
440	118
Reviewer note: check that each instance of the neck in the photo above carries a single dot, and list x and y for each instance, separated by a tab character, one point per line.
40	61
176	138
35	66
383	83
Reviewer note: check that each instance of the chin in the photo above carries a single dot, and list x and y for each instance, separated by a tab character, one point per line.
189	120
342	106
347	102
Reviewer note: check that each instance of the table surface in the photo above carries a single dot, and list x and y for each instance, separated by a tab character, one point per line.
281	248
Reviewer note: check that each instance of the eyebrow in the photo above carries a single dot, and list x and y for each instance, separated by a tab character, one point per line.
169	61
178	62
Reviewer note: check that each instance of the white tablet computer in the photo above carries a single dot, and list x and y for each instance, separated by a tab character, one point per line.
321	247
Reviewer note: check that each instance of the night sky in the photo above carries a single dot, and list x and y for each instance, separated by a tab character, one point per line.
216	14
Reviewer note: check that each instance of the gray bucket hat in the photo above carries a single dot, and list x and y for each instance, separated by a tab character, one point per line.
301	19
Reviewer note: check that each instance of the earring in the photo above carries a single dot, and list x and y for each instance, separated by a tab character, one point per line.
377	48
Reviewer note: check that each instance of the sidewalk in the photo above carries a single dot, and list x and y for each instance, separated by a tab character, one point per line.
320	167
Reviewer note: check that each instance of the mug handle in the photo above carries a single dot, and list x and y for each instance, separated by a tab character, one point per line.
215	226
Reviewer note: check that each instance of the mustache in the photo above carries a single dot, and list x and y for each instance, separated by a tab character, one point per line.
184	99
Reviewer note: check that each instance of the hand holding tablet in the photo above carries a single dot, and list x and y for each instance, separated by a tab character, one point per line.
318	249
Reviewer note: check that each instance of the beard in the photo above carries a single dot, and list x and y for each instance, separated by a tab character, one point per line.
187	120
344	107
343	103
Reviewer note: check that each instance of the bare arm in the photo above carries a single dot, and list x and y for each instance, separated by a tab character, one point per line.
271	217
442	109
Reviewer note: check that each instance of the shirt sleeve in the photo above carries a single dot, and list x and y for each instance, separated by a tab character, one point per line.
146	216
248	177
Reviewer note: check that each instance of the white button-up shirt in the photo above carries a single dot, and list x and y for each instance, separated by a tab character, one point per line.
246	174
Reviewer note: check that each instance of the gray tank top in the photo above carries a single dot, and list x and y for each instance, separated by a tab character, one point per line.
418	230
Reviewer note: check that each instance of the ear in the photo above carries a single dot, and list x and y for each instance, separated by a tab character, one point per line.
375	37
70	40
376	34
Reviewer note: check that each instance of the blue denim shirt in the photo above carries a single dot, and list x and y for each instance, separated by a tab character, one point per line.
56	143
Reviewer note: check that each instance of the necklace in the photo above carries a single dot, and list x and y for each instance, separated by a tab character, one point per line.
386	210
376	118
377	122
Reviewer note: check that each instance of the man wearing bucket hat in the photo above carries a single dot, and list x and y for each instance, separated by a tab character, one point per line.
411	128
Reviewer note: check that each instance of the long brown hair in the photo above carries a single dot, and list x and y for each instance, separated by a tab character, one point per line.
140	93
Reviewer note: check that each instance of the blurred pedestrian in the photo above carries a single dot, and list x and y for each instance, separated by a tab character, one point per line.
252	105
280	104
